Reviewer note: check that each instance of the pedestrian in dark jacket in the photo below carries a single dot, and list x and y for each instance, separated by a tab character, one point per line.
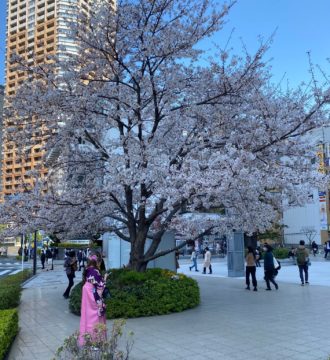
302	255
43	258
80	259
70	266
49	259
269	267
315	248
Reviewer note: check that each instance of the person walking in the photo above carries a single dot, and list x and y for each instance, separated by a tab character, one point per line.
26	253
315	248
49	259
80	259
250	269
302	256
193	258
42	258
326	249
92	302
217	248
292	254
70	266
207	261
269	267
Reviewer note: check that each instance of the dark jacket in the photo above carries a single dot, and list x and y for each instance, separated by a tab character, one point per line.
268	261
70	265
80	255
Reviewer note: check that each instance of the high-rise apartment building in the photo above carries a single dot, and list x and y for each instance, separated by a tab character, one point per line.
2	96
35	30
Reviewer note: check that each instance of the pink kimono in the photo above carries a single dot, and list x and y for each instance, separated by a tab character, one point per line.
92	305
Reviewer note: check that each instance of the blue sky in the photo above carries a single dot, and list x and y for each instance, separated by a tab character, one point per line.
302	25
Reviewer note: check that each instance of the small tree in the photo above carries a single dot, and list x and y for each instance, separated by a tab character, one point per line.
144	131
309	232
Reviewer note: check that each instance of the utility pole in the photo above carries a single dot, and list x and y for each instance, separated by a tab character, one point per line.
35	253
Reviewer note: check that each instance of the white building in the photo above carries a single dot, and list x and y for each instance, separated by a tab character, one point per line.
312	221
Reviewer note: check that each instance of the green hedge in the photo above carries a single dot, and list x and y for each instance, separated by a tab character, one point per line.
135	294
10	296
8	330
281	253
75	246
10	289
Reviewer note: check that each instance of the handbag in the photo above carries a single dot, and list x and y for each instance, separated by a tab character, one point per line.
277	264
106	293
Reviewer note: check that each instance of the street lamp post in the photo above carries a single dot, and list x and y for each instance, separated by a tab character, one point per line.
35	253
22	251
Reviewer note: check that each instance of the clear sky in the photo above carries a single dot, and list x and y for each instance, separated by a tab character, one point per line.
302	25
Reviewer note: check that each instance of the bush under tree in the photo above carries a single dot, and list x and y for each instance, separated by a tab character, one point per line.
153	292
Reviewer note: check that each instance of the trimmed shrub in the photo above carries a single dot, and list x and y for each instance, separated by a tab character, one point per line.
281	253
68	245
9	296
10	289
153	292
8	330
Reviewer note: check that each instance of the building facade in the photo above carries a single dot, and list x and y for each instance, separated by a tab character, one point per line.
311	222
36	29
2	97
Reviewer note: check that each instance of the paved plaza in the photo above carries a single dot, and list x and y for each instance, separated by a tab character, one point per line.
230	323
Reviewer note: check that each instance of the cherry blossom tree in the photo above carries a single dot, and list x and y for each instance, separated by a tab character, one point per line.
145	129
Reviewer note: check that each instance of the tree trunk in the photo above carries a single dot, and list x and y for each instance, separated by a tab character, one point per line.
137	265
137	257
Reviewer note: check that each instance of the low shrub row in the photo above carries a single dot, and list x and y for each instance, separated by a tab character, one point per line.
75	246
10	295
135	294
8	330
281	253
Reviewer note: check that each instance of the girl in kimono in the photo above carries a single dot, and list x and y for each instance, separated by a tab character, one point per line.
92	302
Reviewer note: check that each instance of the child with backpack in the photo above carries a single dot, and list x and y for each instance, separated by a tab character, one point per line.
302	258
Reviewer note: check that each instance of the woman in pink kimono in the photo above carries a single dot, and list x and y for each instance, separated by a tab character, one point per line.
92	303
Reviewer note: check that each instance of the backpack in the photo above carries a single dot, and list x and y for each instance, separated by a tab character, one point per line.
301	256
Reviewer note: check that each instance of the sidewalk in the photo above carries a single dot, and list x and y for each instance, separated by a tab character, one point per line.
319	271
230	324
